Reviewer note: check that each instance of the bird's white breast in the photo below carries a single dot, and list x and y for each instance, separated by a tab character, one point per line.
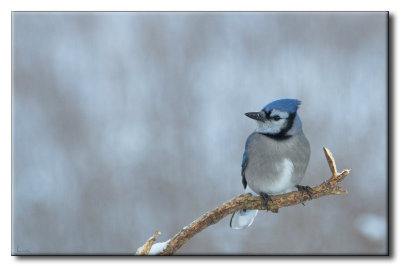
283	183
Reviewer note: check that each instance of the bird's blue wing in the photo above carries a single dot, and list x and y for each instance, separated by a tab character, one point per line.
245	161
244	165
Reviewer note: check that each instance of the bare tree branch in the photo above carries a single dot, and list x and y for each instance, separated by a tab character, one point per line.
247	201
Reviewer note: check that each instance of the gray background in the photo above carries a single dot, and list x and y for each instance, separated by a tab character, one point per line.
127	123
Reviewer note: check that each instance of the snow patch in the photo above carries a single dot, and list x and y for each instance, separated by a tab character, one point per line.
157	248
372	227
139	249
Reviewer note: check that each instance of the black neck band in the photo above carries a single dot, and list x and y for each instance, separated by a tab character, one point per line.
278	137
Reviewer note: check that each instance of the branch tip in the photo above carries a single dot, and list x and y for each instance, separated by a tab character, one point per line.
331	161
145	249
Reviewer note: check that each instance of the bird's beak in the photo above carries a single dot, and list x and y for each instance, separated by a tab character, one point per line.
258	116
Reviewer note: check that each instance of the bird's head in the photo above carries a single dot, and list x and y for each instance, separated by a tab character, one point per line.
278	119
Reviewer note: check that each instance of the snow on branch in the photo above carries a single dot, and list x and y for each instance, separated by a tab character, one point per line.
246	201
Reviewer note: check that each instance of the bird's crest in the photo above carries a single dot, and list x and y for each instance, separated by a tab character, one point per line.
288	105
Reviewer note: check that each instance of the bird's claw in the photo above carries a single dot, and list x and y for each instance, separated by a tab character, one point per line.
306	188
265	197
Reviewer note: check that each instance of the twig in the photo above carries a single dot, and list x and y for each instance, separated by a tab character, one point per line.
248	201
145	249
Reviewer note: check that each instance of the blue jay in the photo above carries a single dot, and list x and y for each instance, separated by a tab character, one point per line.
275	158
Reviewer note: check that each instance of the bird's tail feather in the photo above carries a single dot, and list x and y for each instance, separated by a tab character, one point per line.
242	218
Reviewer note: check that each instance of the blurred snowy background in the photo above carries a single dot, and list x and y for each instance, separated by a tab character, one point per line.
128	123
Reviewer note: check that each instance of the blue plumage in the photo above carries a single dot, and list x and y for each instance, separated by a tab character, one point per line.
289	105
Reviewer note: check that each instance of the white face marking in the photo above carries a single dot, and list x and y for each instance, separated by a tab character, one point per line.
272	126
282	114
283	183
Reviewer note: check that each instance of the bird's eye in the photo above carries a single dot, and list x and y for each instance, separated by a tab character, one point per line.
276	118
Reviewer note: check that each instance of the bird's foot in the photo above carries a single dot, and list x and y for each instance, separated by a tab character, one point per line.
265	197
305	188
